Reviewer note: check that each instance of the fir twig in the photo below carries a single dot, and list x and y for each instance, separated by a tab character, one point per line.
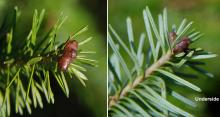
26	73
140	89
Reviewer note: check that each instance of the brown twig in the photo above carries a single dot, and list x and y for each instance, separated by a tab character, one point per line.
165	58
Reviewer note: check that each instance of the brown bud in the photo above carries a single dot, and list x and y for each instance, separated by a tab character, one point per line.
64	62
69	54
71	45
182	45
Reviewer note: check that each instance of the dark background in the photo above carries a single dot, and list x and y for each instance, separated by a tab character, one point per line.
89	101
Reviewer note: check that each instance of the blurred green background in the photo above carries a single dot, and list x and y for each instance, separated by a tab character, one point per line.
206	17
89	101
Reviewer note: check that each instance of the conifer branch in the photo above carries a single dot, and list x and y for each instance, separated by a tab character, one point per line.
28	65
149	71
140	89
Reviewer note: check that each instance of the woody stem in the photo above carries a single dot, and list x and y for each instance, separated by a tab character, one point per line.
165	58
